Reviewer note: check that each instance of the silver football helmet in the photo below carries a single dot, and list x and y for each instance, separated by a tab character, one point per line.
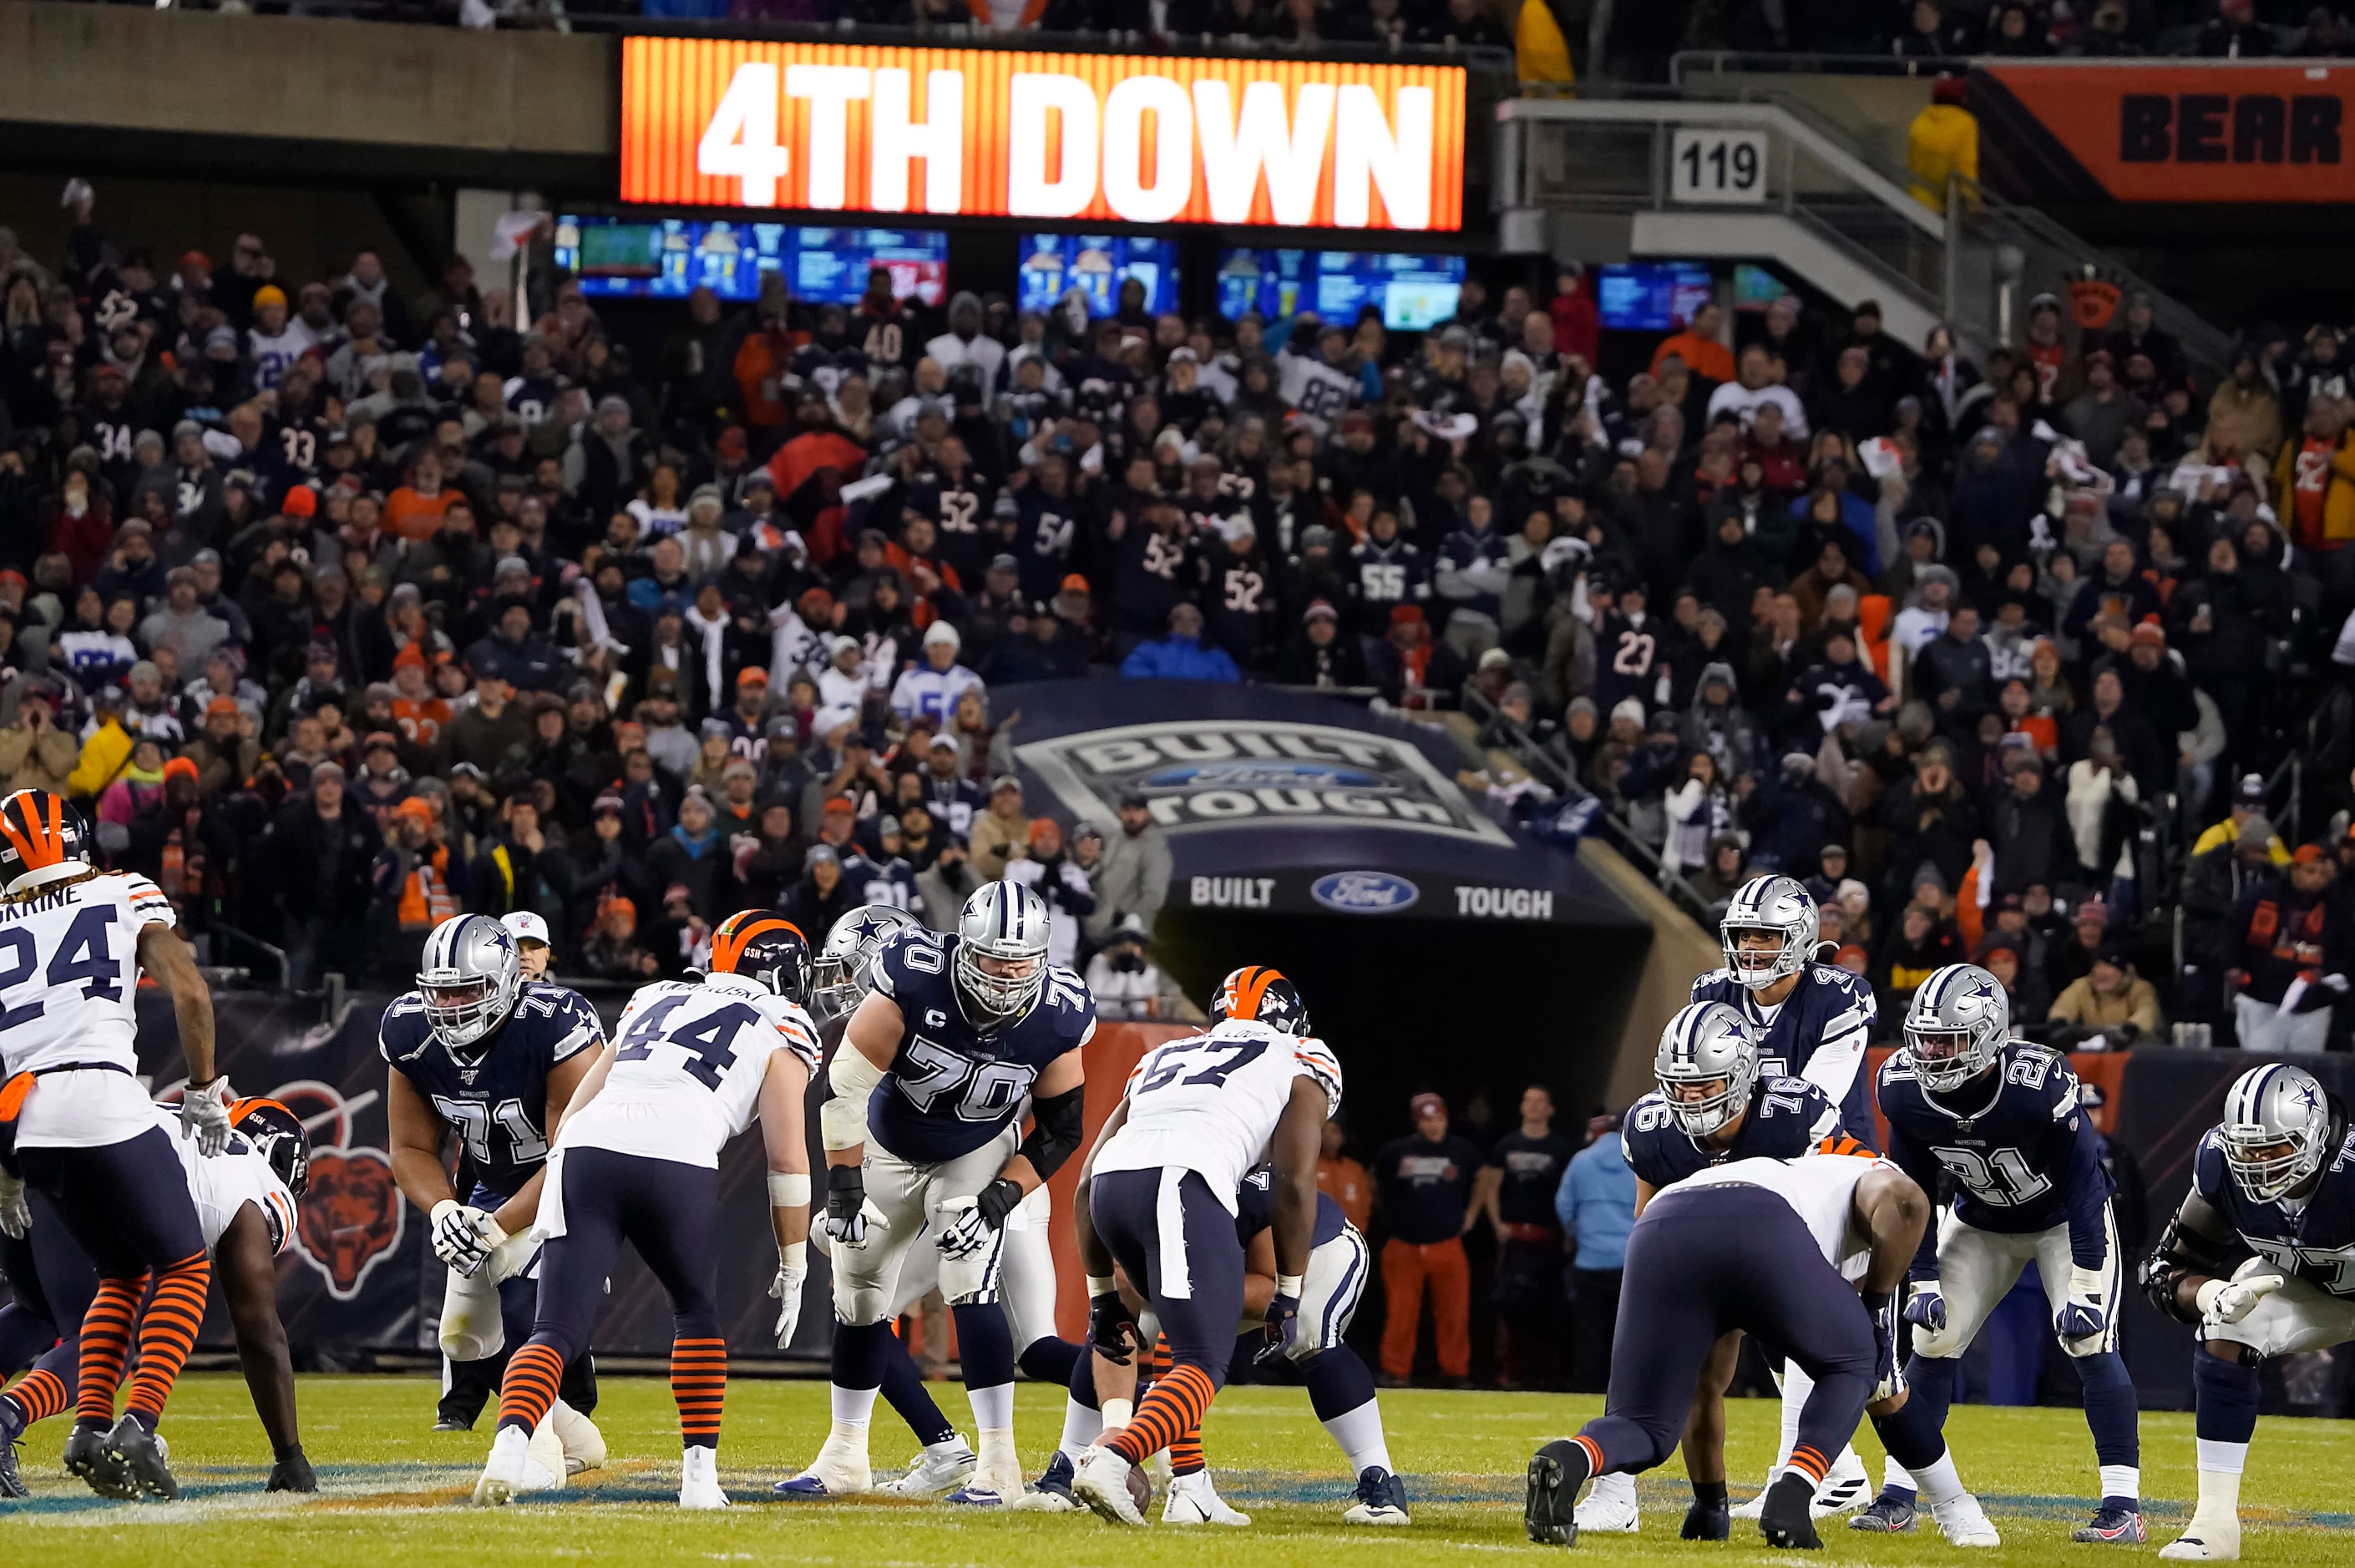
1781	907
1956	1026
1707	1043
470	977
2276	1131
840	981
1005	923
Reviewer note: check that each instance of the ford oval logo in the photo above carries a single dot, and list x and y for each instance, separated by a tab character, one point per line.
1258	774
1364	891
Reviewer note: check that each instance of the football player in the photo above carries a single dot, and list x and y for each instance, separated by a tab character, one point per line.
1160	1198
1807	1255
2261	1258
924	1137
2001	1118
692	1062
1811	1021
77	1126
477	1053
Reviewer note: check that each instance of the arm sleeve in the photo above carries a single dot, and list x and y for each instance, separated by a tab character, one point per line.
1919	1164
2089	1189
1835	1063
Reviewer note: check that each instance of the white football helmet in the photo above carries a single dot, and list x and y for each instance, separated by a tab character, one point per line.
1707	1043
2269	1109
1779	906
1007	922
840	981
470	977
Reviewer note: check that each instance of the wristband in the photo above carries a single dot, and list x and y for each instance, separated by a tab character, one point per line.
794	1255
1101	1285
789	1189
1118	1412
440	1209
1288	1285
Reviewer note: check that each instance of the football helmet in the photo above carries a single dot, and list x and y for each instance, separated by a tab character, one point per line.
2266	1110
278	1135
838	981
767	949
1706	1042
1264	996
42	840
1776	905
1007	922
1958	1024
470	977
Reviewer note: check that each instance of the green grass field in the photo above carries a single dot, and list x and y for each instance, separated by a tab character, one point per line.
393	1491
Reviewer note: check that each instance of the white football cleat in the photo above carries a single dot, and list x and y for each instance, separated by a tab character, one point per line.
840	1468
1609	1507
1193	1500
1101	1483
698	1479
1756	1507
584	1446
934	1472
546	1450
513	1470
1964	1523
2213	1536
1845	1486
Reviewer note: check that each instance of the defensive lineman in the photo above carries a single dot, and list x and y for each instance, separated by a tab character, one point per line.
2261	1256
638	1159
960	1034
2001	1117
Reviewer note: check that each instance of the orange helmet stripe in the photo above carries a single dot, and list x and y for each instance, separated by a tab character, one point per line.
1247	988
737	932
253	1103
37	842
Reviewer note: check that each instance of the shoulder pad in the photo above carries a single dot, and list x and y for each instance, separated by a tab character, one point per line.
1702	982
1786	1085
572	1021
912	952
403	1032
1897	1068
2208	1177
1313	1059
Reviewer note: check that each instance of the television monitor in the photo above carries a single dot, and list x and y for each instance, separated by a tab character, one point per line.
830	265
1413	292
670	257
1652	296
1098	264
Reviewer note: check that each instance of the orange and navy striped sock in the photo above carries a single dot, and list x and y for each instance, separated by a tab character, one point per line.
528	1392
1174	1406
167	1332
1810	1462
698	1381
105	1346
38	1395
1595	1463
1186	1453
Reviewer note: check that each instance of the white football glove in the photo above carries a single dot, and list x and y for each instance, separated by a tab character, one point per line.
968	1232
459	1238
787	1291
511	1255
2223	1301
16	1217
204	1114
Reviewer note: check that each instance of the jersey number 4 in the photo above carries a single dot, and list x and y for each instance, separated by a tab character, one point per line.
708	1046
1999	1178
87	954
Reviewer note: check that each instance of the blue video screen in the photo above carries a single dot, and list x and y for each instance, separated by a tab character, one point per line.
671	257
1652	296
1413	292
1098	264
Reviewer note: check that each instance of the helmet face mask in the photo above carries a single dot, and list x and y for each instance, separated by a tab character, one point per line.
470	978
2275	1131
1956	1026
1001	965
1778	908
278	1135
1706	1065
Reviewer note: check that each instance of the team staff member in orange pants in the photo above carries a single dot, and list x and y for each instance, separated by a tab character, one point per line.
1425	1184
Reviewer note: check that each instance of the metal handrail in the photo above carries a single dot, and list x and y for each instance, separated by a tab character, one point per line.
277	954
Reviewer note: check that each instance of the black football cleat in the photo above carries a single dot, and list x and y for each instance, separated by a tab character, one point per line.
1707	1521
90	1456
146	1457
12	1427
292	1473
1550	1514
454	1423
1785	1522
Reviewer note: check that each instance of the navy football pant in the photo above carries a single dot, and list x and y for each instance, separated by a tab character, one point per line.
52	1284
1705	1260
1177	1243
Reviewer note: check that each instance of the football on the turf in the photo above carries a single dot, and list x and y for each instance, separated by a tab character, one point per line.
1140	1490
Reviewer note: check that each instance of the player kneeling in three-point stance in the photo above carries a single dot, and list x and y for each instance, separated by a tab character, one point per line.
692	1062
2261	1256
76	1126
1768	1247
2002	1117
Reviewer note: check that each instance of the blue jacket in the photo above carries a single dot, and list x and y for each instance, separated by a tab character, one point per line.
1596	1203
1176	658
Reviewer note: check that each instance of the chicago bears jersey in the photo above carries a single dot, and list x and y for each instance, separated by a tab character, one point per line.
1817	1033
954	1085
1788	1118
1256	1209
2021	1154
70	970
1210	1102
224	1183
497	1102
2315	1240
688	1066
1821	1192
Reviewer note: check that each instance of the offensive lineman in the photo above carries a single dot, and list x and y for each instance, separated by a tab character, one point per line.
638	1159
2261	1256
924	1132
477	1051
2002	1117
77	1127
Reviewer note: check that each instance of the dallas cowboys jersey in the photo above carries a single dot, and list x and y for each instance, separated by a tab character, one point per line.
2022	1153
498	1101
2315	1240
1829	1014
1787	1119
953	1085
1256	1209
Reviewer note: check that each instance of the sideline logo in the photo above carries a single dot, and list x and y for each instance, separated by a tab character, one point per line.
1365	892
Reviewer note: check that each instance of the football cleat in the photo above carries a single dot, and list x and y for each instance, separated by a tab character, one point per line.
452	1424
11	1428
1550	1512
1705	1522
2112	1526
1381	1498
1192	1499
584	1446
698	1479
2213	1536
1845	1486
90	1455
934	1472
1102	1481
1964	1523
146	1458
1754	1506
292	1474
839	1470
1786	1518
1609	1507
514	1469
1052	1494
1889	1515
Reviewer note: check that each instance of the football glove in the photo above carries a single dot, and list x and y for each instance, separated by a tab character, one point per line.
846	1205
1112	1328
2223	1301
1283	1321
1925	1306
979	1217
1886	1381
2085	1311
785	1290
458	1236
511	1255
16	1216
204	1114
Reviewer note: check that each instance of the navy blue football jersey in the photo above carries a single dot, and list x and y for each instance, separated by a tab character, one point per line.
1256	1209
1787	1119
2023	1155
954	1084
498	1103
2315	1242
1830	1012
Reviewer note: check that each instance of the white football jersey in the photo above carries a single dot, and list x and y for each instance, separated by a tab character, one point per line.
228	1181
1320	393
1821	1189
1209	1103
689	1059
70	970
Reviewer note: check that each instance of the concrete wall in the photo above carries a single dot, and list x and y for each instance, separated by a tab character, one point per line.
1873	109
